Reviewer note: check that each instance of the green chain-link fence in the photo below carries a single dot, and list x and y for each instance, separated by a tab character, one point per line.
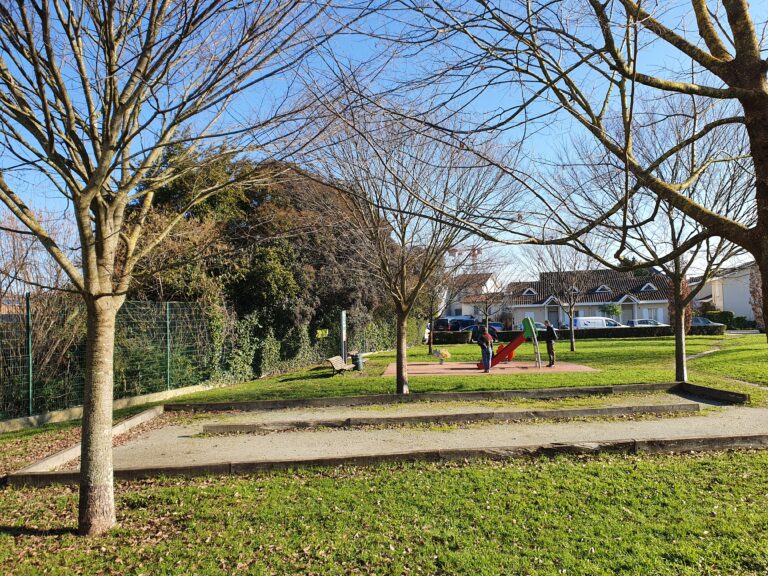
159	346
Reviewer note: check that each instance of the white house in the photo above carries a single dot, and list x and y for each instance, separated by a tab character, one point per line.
728	290
474	292
639	296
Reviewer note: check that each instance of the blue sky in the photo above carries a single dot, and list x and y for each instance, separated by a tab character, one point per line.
547	141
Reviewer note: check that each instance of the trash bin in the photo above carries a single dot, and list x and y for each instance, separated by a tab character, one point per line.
357	360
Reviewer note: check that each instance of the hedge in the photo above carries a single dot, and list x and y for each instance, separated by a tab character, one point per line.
721	317
625	332
443	337
706	331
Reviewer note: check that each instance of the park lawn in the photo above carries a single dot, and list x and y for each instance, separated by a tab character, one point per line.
625	361
634	515
25	447
740	358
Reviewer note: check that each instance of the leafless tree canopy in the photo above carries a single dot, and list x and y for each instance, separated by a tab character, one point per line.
93	93
92	96
615	71
398	184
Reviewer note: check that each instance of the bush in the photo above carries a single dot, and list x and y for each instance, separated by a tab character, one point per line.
451	337
266	361
240	360
707	331
622	332
741	323
721	317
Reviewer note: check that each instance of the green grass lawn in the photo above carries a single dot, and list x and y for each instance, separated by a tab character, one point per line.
626	361
702	514
742	358
650	515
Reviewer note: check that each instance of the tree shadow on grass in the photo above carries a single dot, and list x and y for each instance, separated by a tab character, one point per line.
314	374
24	531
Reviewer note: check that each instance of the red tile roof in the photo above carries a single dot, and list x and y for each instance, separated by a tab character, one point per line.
588	282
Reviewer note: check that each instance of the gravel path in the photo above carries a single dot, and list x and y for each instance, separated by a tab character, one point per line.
314	414
183	445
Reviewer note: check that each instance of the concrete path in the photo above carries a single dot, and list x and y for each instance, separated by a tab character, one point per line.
183	446
313	414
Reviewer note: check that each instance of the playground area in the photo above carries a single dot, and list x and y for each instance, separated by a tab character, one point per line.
502	360
471	369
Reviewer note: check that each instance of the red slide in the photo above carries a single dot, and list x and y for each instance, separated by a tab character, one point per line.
505	352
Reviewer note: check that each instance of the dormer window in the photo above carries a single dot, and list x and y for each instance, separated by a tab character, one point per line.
602	289
649	288
573	290
529	292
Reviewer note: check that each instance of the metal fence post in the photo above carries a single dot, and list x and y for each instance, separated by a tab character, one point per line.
168	345
29	351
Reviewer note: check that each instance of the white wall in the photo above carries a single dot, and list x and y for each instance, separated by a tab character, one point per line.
735	295
654	311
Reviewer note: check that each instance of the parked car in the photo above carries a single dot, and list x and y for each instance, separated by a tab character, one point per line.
476	330
539	326
638	322
496	326
703	321
581	322
460	324
450	323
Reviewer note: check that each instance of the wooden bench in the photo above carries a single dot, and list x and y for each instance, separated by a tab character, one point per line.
338	365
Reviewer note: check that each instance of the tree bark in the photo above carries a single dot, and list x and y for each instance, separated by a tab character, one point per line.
402	352
762	264
97	501
572	335
681	364
756	114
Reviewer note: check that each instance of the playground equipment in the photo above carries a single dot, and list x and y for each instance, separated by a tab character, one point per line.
507	352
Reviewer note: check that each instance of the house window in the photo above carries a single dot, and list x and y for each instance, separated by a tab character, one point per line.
648	288
529	292
603	289
457	312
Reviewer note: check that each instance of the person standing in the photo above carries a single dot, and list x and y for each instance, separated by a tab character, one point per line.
485	341
550	336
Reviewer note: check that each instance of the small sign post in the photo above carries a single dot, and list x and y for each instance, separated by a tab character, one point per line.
344	335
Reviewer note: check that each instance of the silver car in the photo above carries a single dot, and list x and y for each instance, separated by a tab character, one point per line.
638	322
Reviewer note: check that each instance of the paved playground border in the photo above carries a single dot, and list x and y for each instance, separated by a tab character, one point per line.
475	395
459	418
628	446
34	476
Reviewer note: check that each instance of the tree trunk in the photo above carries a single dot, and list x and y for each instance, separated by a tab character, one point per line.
681	365
97	501
402	352
756	115
573	336
763	267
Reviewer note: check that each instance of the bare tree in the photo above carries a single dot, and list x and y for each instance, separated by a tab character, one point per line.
652	231
567	274
596	61
92	95
445	284
397	180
